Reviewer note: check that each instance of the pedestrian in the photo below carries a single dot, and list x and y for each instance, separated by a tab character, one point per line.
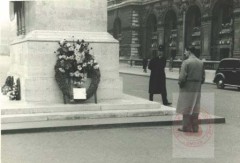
157	83
131	60
145	63
172	57
192	76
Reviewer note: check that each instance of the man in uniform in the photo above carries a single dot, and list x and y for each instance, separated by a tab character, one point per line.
157	83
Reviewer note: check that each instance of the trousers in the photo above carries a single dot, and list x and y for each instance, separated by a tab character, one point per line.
163	94
190	122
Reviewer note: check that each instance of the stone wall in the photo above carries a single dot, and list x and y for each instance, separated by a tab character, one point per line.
129	43
75	15
160	8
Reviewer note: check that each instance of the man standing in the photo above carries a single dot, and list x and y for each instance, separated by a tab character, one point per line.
145	63
157	83
191	77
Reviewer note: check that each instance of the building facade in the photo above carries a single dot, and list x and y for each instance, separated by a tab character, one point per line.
212	26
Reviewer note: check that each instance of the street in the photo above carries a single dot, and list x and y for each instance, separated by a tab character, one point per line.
226	102
128	145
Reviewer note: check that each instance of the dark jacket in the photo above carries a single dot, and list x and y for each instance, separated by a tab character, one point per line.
157	81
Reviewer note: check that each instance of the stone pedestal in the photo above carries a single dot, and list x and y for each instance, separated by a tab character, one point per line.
46	23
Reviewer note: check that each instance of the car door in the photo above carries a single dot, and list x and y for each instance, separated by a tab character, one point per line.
227	69
234	73
238	73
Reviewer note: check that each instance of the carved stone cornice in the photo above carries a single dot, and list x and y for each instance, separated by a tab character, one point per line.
206	7
183	7
236	3
236	12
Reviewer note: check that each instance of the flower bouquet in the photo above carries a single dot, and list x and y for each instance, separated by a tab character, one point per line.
74	65
11	88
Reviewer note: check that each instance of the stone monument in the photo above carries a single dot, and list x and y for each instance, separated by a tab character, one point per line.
41	25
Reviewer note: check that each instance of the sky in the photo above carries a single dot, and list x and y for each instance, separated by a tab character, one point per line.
4	19
4	11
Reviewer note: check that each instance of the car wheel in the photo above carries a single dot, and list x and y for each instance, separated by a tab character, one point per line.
220	84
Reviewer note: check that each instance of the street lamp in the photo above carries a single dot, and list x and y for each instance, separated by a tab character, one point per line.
184	9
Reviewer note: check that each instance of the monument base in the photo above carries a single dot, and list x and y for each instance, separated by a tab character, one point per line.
129	111
33	60
16	114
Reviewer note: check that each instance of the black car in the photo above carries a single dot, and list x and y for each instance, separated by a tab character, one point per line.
228	73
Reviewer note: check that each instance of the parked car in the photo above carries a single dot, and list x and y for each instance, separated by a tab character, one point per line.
228	73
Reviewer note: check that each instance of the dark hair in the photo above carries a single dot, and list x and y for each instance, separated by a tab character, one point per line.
192	49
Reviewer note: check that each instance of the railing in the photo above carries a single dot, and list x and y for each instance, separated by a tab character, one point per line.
209	65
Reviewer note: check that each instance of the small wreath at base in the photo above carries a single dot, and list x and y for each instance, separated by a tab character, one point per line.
12	88
74	65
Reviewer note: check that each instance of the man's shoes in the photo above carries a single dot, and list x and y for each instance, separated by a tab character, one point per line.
195	130
167	104
184	130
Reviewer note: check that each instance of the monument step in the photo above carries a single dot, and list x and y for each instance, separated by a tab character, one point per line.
34	109
128	110
38	126
127	102
16	118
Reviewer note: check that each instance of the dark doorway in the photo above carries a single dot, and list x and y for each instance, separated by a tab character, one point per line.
222	30
170	33
151	36
193	28
117	33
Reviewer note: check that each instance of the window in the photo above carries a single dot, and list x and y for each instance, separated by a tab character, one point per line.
229	64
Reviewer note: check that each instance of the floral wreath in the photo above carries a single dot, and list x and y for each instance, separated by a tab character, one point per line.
11	88
74	65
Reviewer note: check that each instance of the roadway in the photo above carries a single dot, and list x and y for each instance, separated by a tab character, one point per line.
151	144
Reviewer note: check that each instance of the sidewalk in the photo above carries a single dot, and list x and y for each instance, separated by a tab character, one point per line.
137	70
124	68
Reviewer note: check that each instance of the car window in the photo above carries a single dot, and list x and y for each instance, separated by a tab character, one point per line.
228	64
238	65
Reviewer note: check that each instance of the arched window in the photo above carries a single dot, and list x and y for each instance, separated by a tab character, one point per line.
222	25
117	34
117	29
193	28
151	35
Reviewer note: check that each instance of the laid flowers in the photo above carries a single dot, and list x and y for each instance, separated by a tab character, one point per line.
11	88
74	64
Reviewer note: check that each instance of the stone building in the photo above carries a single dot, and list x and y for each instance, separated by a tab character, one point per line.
212	26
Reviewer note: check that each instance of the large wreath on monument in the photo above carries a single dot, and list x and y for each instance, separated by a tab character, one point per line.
76	69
